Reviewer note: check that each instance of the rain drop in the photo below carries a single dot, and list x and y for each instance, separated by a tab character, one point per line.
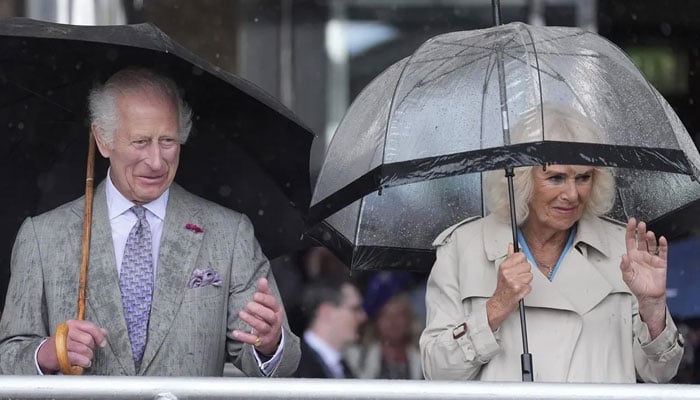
255	19
691	101
287	184
665	29
634	17
225	190
217	56
261	212
20	125
10	124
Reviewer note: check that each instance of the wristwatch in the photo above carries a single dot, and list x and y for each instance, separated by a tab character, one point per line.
459	330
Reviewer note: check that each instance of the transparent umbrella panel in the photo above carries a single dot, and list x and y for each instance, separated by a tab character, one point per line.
408	158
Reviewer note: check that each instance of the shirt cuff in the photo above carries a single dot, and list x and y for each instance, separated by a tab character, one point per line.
36	354
268	367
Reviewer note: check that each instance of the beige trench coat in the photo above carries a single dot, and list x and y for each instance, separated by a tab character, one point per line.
583	326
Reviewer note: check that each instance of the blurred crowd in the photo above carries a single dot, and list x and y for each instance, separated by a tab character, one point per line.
352	324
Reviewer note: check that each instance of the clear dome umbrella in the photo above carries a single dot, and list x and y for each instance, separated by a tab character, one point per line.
408	158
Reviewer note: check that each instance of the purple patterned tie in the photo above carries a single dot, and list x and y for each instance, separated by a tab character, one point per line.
136	283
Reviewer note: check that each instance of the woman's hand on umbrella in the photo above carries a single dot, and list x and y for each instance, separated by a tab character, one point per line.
265	315
513	284
83	337
644	271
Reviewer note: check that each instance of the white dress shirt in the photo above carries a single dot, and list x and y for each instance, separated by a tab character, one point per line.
122	220
330	356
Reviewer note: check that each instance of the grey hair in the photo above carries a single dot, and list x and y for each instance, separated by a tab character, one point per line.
560	124
103	100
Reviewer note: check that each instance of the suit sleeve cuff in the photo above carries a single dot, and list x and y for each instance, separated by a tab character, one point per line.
36	355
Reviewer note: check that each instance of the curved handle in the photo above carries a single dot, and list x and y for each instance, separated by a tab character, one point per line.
61	338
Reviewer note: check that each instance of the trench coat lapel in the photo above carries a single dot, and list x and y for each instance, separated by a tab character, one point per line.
104	298
580	282
592	272
178	254
563	293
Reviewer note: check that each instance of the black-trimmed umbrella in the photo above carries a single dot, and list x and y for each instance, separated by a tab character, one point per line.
407	160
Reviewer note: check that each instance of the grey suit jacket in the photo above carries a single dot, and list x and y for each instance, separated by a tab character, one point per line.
189	332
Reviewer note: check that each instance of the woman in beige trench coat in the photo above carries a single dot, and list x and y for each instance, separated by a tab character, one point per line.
594	291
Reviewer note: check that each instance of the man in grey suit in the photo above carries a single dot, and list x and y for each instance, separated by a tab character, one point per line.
211	295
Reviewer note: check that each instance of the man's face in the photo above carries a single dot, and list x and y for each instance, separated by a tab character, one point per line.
349	315
146	149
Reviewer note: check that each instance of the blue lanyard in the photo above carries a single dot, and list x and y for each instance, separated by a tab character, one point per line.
528	254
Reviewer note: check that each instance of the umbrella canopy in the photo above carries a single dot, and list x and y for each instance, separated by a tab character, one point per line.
246	151
406	161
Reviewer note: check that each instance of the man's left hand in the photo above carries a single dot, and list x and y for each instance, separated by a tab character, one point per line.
265	315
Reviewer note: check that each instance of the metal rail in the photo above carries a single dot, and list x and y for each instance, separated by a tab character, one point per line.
172	388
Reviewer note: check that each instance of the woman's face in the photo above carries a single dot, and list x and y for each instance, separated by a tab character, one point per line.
559	196
394	321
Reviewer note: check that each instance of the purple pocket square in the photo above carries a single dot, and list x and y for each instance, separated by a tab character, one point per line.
204	277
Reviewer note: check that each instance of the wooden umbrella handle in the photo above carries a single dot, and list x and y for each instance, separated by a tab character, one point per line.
61	338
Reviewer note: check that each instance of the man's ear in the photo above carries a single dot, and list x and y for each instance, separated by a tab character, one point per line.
324	309
101	146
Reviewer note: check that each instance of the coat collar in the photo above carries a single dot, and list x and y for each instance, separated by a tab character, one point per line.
497	235
588	273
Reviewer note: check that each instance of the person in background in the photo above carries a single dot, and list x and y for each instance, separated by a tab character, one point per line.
594	291
177	284
389	349
335	314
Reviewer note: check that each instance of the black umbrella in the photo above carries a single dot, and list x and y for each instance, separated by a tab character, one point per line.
246	151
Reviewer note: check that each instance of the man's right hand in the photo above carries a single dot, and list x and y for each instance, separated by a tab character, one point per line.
83	336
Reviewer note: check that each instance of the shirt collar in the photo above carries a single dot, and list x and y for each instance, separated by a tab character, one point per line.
498	234
329	355
117	204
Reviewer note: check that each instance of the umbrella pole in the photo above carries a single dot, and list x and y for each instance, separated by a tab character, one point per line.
496	8
526	357
62	329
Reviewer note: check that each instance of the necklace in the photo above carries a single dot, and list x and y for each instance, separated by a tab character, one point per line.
548	268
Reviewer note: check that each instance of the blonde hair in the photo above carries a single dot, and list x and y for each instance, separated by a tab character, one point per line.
560	124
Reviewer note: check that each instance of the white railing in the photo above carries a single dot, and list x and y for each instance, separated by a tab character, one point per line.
161	388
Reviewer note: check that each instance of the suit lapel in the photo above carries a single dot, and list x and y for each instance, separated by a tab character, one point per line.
104	297
179	248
